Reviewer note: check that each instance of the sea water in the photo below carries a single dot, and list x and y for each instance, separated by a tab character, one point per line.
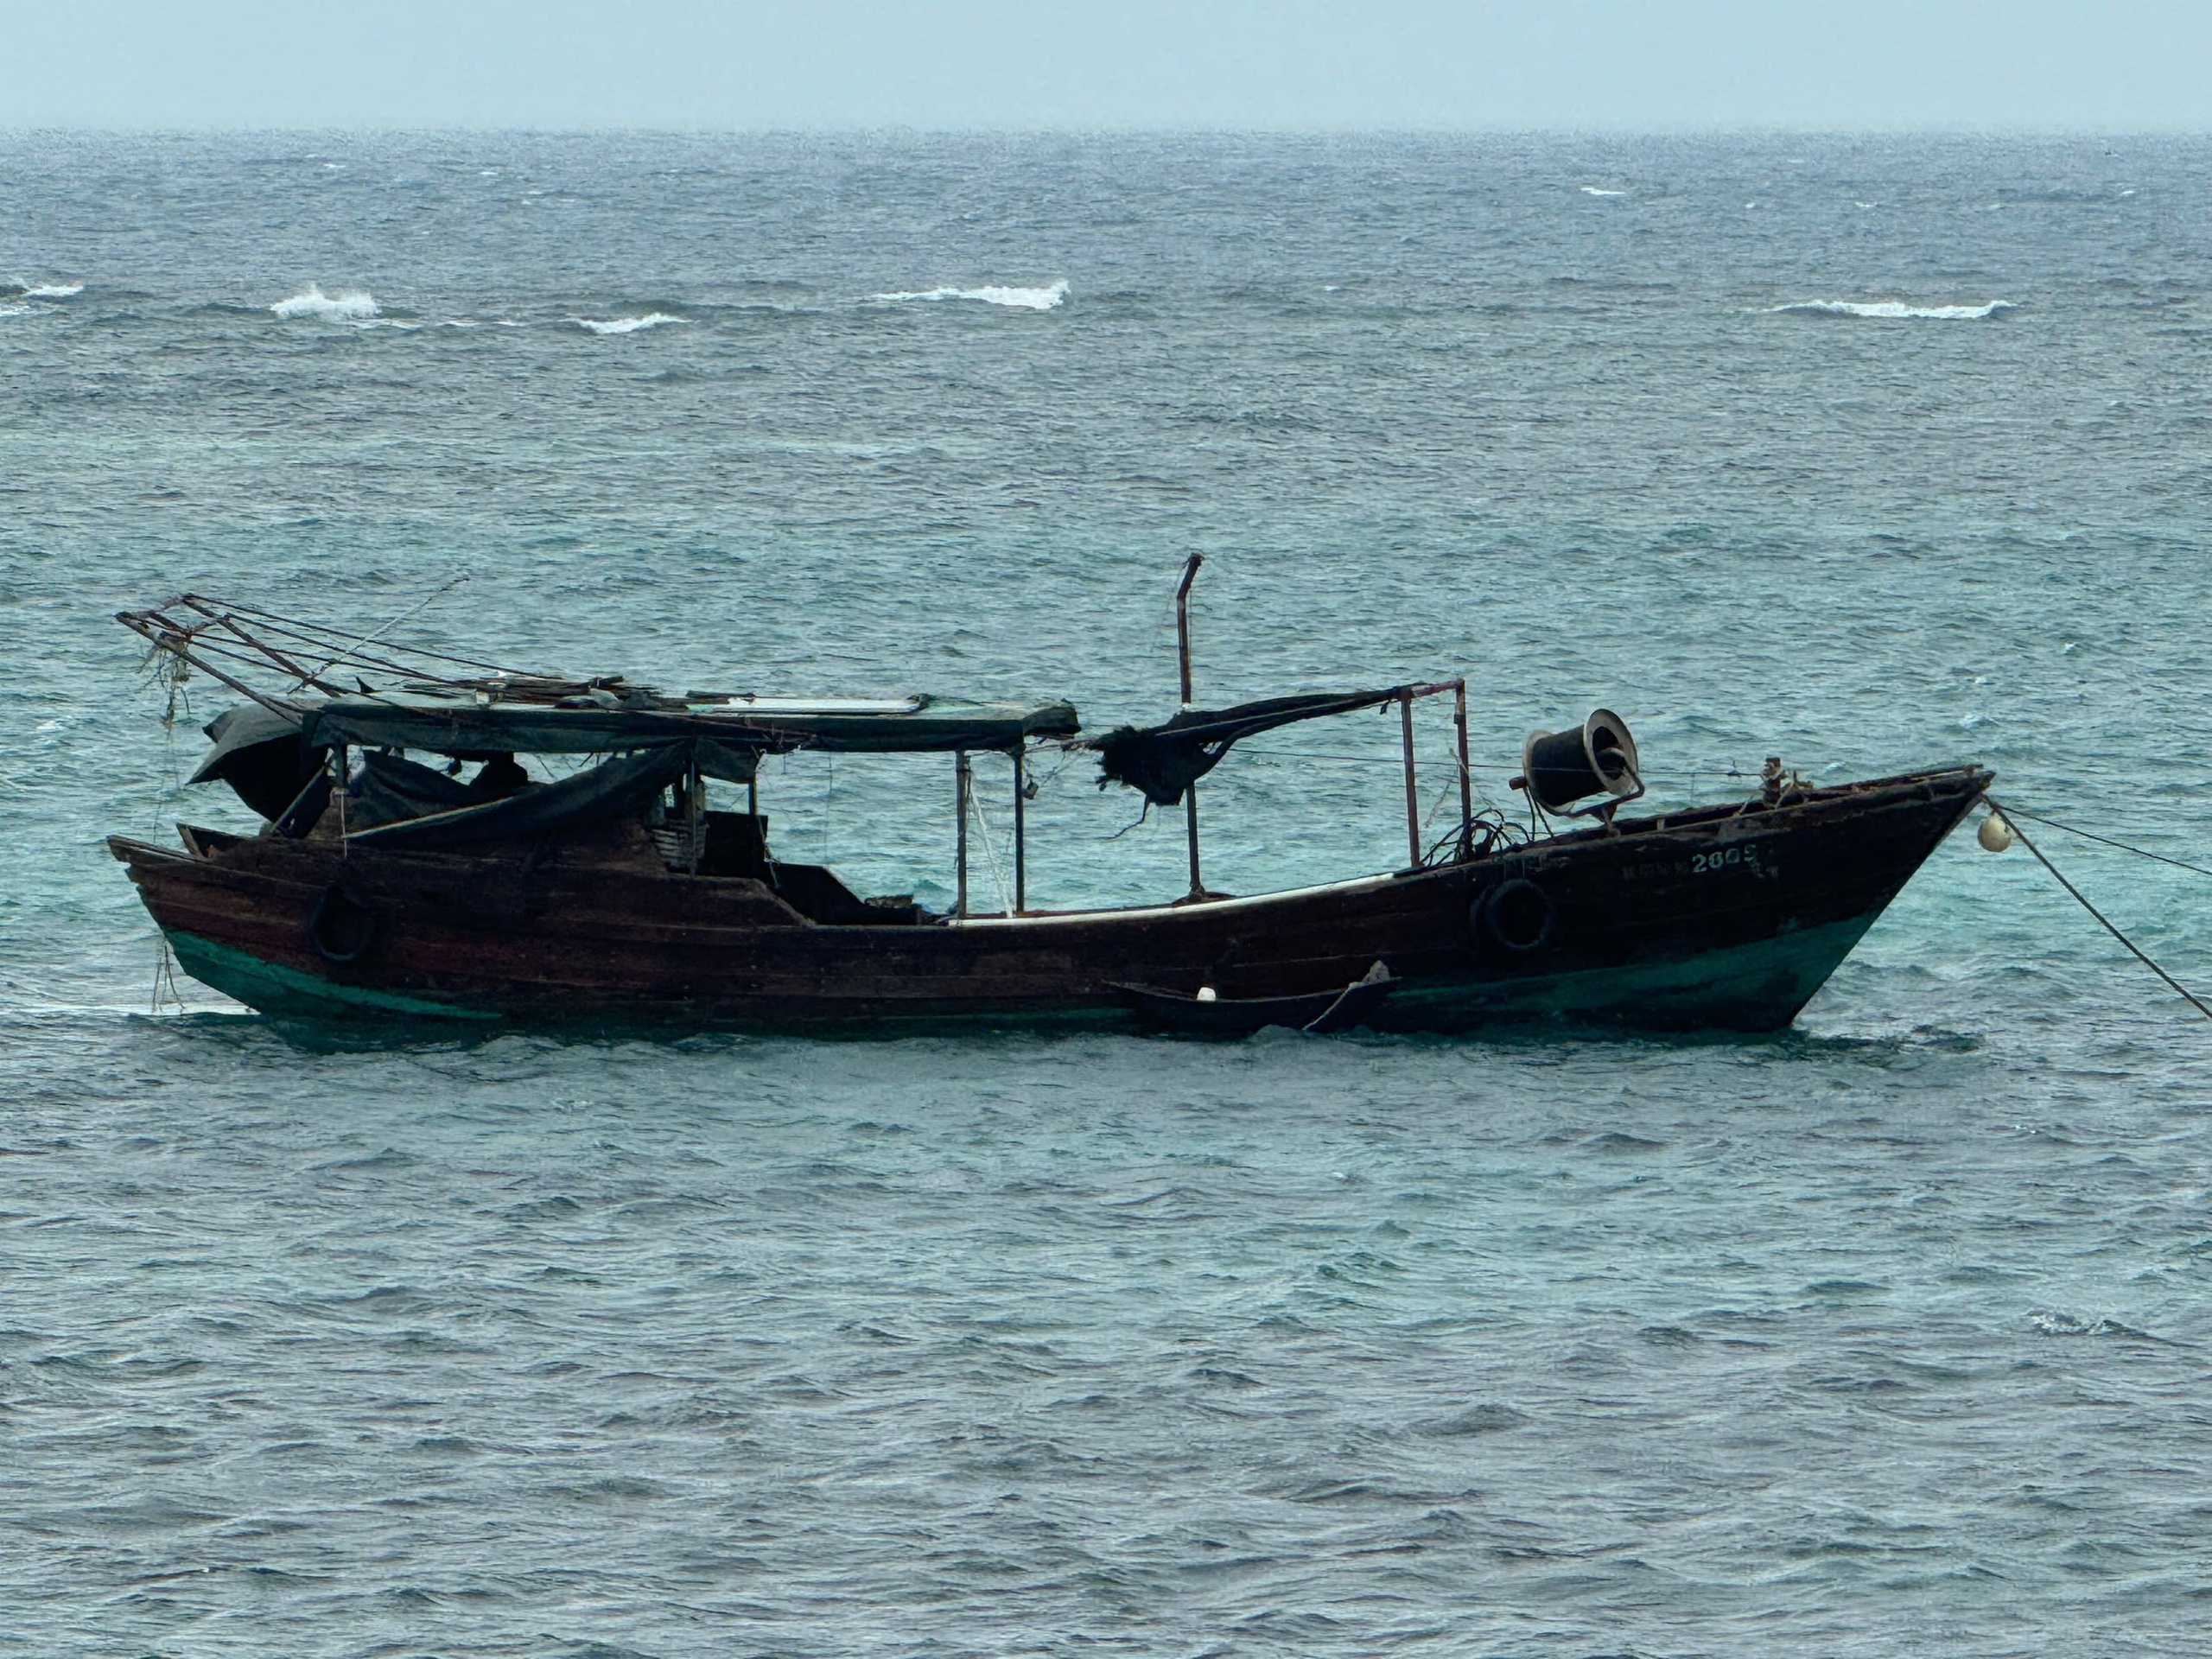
1887	1334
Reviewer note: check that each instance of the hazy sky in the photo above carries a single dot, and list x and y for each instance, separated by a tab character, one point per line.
2120	65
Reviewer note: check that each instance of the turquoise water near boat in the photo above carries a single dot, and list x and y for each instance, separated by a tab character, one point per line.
1887	1334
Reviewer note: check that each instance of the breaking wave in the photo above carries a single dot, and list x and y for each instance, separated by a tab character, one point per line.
1022	299
51	291
625	324
13	310
1592	190
312	301
2057	1323
1895	310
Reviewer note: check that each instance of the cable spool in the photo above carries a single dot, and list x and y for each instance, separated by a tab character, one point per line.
1559	768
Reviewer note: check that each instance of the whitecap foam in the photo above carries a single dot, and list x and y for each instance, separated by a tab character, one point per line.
13	310
53	292
1895	310
1021	299
1592	190
625	325
312	301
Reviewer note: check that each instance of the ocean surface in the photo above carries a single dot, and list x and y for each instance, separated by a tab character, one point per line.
1888	1335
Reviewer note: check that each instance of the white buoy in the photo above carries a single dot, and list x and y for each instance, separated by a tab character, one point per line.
1995	835
1207	994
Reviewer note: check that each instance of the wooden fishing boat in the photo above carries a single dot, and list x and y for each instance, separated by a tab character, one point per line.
383	888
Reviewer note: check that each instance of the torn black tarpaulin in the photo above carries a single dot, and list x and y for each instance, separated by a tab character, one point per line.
259	754
607	790
447	813
389	789
1162	761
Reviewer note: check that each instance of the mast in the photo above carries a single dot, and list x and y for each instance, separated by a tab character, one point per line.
1183	655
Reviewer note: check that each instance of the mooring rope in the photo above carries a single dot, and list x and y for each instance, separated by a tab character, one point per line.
2009	813
2134	948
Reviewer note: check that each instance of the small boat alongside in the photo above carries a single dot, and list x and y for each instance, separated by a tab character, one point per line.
1207	1014
385	884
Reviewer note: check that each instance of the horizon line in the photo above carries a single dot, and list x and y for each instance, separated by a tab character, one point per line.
1004	130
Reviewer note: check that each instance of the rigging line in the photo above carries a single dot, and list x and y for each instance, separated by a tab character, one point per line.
231	651
990	852
323	633
1431	765
1442	795
1038	784
357	654
2134	948
246	658
1316	754
370	638
223	650
2140	851
353	654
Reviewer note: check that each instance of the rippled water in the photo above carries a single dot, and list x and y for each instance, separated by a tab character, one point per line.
1887	1335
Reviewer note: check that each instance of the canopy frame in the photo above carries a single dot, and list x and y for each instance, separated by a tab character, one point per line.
1228	726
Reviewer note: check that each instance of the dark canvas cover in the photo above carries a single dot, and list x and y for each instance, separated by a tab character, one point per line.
1161	762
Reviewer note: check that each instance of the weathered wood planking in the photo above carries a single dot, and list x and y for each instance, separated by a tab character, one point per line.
1726	918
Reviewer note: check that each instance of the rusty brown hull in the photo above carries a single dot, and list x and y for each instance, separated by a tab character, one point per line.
1727	919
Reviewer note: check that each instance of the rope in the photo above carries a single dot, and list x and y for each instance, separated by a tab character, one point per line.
2139	852
990	853
2133	949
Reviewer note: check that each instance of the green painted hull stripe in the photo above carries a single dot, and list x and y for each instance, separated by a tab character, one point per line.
1770	974
274	989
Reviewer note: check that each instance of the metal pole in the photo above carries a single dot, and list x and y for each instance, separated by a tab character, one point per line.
1021	850
1190	836
1412	790
694	817
960	798
1467	775
1183	620
1183	658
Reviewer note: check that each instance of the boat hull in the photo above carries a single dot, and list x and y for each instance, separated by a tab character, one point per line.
1726	919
